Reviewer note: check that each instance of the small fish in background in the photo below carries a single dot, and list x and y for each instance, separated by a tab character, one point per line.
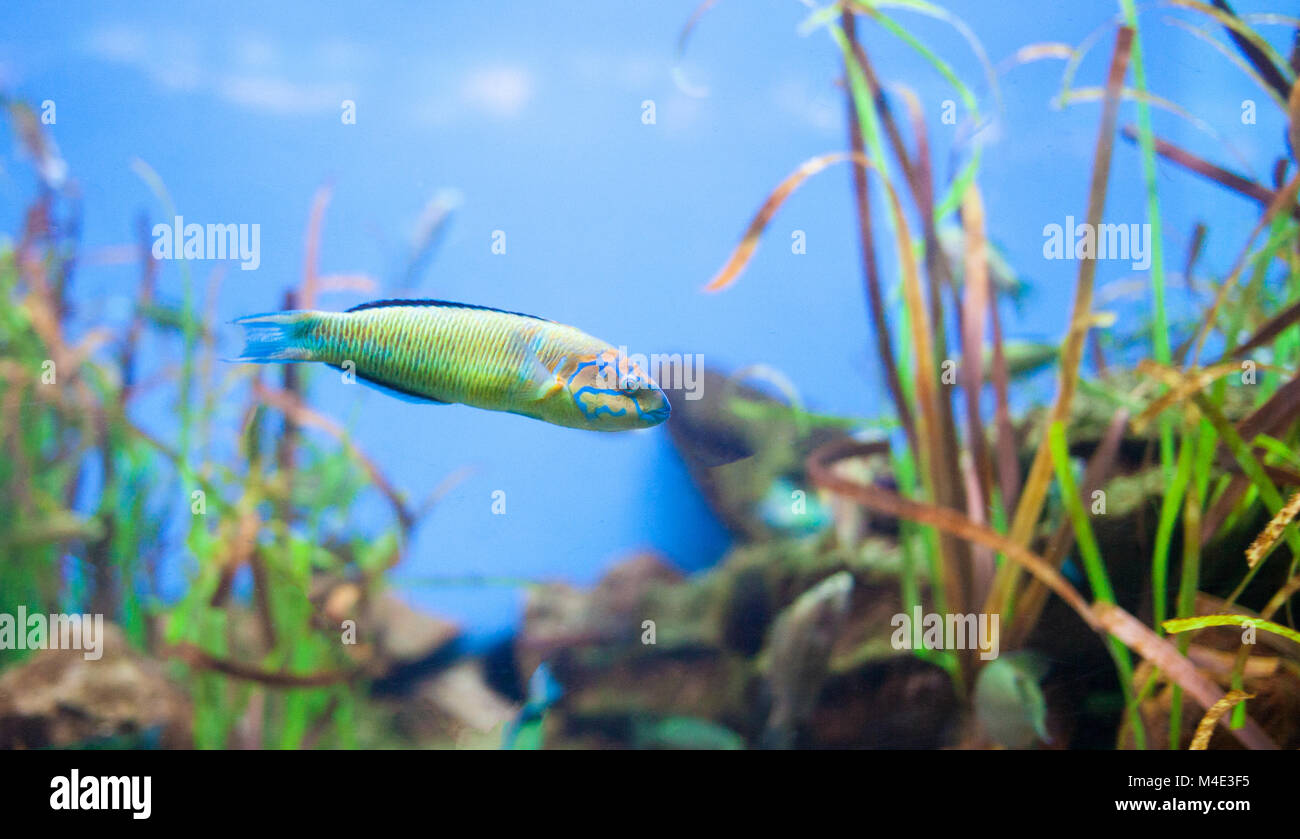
1023	358
1009	700
438	352
1005	280
777	509
430	228
799	656
528	730
745	450
37	144
1074	573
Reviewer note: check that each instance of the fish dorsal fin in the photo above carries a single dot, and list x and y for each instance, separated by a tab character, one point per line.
384	304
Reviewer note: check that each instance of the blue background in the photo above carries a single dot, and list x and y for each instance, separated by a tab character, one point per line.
532	113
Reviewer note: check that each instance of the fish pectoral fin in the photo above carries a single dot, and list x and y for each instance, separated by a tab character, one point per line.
1032	701
538	380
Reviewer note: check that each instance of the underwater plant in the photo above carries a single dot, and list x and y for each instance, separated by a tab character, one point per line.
92	498
965	501
1127	551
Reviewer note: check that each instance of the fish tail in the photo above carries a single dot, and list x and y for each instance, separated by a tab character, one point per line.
278	336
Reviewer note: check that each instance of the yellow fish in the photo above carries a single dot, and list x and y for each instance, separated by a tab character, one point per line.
441	352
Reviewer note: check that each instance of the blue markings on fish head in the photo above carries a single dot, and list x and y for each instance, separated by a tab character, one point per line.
613	393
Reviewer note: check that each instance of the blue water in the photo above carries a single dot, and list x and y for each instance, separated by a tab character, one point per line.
533	115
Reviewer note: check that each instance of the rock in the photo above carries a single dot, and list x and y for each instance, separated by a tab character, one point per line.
58	698
558	615
712	632
620	594
403	634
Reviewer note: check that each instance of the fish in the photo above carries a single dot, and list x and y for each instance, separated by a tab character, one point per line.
777	509
799	655
1009	700
738	442
527	732
440	352
1023	358
1002	276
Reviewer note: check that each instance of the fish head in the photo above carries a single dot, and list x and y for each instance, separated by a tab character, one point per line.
831	599
1009	700
817	615
613	393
